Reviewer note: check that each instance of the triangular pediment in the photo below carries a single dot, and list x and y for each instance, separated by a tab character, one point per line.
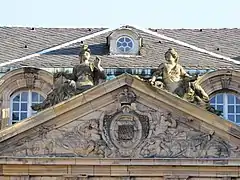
124	117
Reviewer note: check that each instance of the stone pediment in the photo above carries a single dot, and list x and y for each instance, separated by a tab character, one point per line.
123	118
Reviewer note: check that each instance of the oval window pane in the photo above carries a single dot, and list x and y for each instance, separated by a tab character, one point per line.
24	96
121	40
15	106
127	49
124	44
130	44
119	44
127	39
122	49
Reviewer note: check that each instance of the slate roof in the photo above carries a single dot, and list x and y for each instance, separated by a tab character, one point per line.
16	42
222	41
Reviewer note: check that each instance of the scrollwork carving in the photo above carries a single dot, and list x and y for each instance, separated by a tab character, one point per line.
125	133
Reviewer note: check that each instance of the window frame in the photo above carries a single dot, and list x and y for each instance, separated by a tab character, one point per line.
29	101
131	40
226	104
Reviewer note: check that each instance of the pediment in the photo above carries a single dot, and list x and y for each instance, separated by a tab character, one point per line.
123	118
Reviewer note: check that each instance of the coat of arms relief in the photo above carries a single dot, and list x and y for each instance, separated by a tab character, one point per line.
132	130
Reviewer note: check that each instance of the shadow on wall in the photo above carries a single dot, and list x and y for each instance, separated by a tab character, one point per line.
96	49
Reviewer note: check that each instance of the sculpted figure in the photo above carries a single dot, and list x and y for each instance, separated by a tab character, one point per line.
84	76
176	80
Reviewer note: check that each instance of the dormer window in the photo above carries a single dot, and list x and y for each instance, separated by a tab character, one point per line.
124	41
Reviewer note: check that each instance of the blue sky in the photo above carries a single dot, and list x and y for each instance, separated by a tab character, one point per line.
113	13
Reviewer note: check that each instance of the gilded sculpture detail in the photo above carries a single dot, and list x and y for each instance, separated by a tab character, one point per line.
85	75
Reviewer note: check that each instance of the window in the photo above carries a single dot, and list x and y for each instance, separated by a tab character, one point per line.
21	103
125	44
229	104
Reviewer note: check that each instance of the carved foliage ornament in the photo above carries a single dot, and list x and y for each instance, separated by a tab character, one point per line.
131	131
225	81
30	75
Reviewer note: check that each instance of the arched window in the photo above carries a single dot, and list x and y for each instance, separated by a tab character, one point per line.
229	104
21	103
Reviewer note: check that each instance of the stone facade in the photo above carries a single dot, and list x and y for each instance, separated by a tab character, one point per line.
127	128
122	129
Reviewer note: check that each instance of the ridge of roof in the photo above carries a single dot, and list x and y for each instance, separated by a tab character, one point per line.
201	50
188	45
95	27
56	47
154	29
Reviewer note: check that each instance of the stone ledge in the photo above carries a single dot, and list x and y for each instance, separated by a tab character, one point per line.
119	162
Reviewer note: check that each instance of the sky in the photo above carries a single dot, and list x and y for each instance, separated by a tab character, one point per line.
114	13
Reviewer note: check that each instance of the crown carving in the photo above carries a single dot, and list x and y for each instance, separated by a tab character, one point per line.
126	97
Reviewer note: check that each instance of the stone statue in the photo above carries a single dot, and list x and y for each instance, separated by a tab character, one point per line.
84	76
176	80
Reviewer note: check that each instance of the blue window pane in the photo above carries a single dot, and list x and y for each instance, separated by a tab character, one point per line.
24	96
124	44
122	49
15	116
220	107
237	118
34	97
130	44
41	98
121	40
23	106
17	98
230	108
23	115
127	49
237	100
15	106
119	44
220	98
34	104
230	99
127	39
231	117
238	109
212	101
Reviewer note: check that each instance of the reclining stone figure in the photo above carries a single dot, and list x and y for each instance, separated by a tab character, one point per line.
176	80
84	76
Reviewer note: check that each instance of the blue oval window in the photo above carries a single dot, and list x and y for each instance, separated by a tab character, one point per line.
125	44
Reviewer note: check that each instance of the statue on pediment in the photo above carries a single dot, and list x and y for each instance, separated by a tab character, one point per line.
85	75
176	80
